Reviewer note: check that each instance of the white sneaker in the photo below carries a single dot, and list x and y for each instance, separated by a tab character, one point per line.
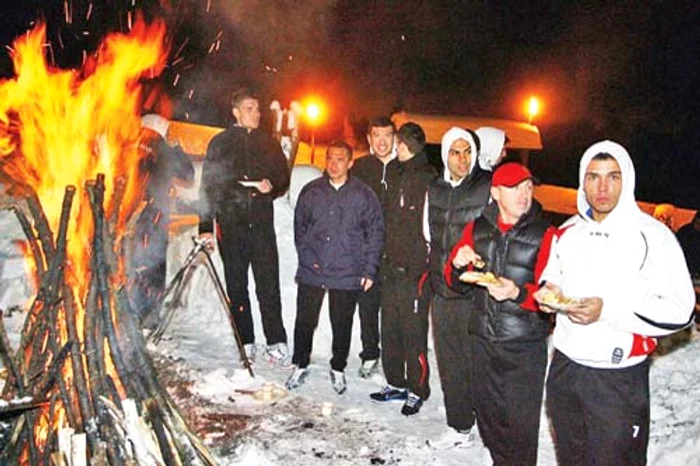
250	352
455	439
278	354
297	378
338	381
368	368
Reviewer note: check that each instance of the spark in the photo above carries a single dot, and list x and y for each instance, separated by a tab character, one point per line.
128	19
60	40
89	12
177	54
212	47
67	12
177	79
190	94
218	44
208	6
10	49
176	61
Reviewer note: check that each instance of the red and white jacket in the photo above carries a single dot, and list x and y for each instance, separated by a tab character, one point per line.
629	260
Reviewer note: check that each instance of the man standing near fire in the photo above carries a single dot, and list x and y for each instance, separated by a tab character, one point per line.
338	234
372	170
617	279
405	300
454	199
511	240
244	171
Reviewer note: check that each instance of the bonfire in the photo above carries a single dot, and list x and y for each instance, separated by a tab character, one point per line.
81	377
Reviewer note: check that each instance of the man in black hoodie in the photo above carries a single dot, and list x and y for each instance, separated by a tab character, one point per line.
403	271
371	169
244	171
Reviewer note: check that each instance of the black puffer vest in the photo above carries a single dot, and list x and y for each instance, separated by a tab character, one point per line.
450	209
512	255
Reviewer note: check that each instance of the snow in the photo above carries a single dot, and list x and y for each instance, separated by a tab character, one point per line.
293	430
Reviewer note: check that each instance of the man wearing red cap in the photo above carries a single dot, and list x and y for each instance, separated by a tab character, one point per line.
511	240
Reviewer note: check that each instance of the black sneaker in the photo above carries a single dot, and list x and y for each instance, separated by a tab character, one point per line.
389	393
412	405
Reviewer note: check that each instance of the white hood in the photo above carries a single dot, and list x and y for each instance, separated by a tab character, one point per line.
626	206
492	142
451	136
155	123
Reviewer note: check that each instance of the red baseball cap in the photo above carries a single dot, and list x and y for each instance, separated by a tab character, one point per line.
511	174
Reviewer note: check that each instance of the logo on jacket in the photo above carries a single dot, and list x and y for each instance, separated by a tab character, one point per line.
617	356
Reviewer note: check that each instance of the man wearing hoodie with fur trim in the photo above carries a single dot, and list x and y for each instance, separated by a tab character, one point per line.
629	283
454	199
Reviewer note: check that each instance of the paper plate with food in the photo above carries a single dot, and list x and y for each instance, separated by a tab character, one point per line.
480	278
558	302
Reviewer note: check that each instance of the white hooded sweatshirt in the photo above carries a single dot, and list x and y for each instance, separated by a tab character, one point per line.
629	260
492	142
450	136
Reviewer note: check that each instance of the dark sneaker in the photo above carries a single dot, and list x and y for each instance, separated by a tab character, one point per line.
338	381
389	393
412	405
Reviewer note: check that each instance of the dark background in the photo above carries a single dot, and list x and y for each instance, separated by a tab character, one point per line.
623	70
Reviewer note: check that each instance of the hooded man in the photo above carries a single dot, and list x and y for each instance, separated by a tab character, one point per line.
454	199
618	279
512	240
161	165
404	314
493	146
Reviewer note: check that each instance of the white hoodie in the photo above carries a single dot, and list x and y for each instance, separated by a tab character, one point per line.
492	142
450	136
629	260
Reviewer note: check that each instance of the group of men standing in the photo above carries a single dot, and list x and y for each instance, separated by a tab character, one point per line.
392	232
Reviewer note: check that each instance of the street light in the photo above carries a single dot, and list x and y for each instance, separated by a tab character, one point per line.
533	108
313	116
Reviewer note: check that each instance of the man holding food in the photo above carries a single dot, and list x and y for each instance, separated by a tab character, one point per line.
244	171
500	258
617	279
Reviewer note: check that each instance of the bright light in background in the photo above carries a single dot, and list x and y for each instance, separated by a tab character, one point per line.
314	111
533	108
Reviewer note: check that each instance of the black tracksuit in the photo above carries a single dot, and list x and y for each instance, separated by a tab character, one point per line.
246	233
147	260
372	171
450	209
405	301
509	348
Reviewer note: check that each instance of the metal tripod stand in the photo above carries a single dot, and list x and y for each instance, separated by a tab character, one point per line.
177	284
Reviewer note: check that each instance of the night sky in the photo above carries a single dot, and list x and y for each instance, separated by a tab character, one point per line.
625	70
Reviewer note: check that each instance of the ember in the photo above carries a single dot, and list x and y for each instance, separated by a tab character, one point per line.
82	359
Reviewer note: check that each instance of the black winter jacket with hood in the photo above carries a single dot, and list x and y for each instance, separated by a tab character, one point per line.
405	248
451	208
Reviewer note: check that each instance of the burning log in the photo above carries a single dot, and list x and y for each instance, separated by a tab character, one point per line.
90	390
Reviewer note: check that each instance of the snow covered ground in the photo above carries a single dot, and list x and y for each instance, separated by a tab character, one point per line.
297	430
293	430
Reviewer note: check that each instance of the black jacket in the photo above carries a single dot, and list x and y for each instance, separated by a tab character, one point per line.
235	155
372	172
405	248
512	255
450	209
161	164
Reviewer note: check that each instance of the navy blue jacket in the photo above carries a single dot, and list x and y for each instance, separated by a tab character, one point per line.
338	234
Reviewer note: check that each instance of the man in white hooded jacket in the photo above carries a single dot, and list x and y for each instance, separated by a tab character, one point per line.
629	283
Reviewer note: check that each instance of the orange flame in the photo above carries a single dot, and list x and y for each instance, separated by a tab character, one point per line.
63	127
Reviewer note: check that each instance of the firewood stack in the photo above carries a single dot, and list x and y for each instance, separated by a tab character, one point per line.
81	367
